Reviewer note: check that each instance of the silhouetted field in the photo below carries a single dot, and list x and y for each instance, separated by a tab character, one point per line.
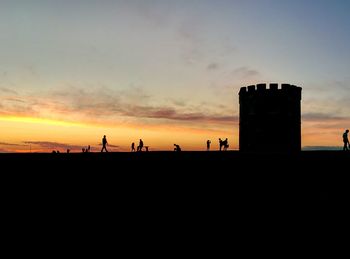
308	176
200	190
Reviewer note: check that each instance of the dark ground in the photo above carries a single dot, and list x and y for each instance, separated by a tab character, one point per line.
314	176
219	190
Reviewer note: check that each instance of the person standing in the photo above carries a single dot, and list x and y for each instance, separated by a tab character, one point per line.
225	144
139	148
104	144
221	143
132	147
208	144
346	140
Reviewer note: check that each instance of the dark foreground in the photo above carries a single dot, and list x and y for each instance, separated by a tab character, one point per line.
208	194
192	178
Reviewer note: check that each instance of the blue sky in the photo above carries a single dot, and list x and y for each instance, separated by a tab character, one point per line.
166	60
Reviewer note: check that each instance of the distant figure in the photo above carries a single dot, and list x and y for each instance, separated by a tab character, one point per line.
146	147
83	150
223	144
104	144
88	149
132	147
208	144
177	148
346	140
139	148
68	150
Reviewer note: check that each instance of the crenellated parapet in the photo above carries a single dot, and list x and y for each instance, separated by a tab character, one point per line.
291	91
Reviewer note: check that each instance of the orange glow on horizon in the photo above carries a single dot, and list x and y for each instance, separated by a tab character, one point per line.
37	120
17	132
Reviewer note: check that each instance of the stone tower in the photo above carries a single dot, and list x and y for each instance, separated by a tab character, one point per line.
270	119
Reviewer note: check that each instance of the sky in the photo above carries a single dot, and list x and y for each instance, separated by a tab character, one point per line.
165	71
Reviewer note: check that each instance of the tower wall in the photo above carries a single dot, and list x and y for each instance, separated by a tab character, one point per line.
270	118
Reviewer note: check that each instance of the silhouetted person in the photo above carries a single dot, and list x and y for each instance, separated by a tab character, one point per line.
104	144
88	149
221	143
208	144
146	147
346	140
225	144
139	148
83	149
68	150
177	148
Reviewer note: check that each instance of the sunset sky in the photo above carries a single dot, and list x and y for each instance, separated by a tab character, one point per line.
166	71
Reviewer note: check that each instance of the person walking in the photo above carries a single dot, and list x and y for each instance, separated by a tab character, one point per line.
104	144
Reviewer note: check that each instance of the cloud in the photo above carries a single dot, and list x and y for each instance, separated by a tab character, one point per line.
180	103
11	99
173	114
52	145
344	85
153	13
8	91
11	144
245	73
106	105
322	117
331	86
213	66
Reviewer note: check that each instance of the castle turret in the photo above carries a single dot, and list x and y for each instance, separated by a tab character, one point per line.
270	118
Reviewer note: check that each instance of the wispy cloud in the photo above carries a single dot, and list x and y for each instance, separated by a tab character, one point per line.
245	72
51	145
8	91
323	117
331	86
6	147
180	103
11	144
105	104
213	66
149	13
173	114
13	99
